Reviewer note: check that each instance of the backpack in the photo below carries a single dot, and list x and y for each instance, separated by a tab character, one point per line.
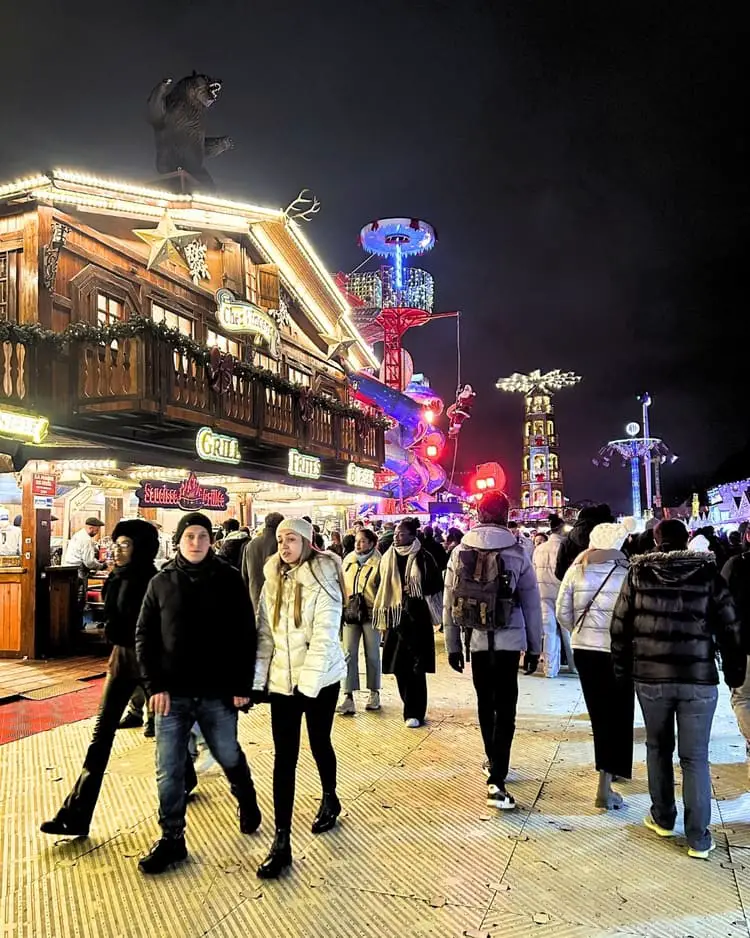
483	594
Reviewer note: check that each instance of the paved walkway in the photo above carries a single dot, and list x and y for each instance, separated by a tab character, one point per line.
19	676
417	852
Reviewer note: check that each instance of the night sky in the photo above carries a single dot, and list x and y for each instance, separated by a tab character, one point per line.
585	165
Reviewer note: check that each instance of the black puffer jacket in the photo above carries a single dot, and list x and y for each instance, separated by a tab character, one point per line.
674	612
196	632
736	572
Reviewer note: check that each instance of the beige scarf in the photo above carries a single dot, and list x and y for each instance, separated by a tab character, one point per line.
389	601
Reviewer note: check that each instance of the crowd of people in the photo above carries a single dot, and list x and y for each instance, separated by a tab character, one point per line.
646	616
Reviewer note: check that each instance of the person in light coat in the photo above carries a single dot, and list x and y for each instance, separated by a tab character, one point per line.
300	665
587	598
544	560
495	653
361	578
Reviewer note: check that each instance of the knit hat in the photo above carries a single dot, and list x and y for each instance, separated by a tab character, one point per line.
699	544
190	519
143	535
555	522
611	536
298	525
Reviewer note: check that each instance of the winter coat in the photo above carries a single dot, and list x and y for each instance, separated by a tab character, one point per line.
596	575
123	593
364	578
524	630
437	552
196	632
544	560
307	656
257	552
736	572
385	541
411	645
232	548
673	614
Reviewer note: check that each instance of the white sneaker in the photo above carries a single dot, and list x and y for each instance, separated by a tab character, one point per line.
499	798
204	761
373	702
346	707
412	723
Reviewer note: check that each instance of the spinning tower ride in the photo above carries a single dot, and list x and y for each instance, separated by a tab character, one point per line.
541	476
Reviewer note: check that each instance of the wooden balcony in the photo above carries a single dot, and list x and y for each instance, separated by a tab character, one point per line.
145	374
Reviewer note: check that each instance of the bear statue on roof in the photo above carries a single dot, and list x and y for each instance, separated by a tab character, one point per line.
177	112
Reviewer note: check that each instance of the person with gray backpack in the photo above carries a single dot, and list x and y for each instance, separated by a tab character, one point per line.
491	603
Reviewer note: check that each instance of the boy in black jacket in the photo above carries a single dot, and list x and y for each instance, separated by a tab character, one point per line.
195	643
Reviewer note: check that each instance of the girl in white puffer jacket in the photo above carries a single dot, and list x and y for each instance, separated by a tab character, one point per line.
585	604
300	664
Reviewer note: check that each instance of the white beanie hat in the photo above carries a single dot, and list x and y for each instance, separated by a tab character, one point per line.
611	536
298	525
699	544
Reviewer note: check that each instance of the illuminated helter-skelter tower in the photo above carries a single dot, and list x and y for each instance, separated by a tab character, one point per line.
541	475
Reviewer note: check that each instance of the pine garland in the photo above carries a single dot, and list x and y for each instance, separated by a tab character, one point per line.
33	334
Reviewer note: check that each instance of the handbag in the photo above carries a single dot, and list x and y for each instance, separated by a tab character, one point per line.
590	603
355	609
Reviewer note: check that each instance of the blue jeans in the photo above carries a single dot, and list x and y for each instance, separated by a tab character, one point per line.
694	706
218	723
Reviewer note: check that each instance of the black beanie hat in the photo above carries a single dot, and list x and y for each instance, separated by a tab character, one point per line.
190	519
144	536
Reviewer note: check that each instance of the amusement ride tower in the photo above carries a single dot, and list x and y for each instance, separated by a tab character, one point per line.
541	476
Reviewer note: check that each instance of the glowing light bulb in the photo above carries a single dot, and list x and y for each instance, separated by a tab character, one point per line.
429	415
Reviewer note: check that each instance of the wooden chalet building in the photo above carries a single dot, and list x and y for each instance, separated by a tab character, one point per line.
131	318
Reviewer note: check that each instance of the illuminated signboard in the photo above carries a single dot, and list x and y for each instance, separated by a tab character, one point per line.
302	466
360	477
188	495
23	426
217	448
248	319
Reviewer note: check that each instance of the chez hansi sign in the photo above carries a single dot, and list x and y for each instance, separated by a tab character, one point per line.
245	318
188	495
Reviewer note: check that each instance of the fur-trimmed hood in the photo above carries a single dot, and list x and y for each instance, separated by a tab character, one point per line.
675	568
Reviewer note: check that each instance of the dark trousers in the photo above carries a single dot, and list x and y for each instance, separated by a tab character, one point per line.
693	707
495	676
218	723
286	728
611	707
412	688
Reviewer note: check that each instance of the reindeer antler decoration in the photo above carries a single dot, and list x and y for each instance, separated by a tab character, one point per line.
297	210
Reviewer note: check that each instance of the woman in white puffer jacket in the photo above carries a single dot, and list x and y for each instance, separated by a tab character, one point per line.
585	604
300	664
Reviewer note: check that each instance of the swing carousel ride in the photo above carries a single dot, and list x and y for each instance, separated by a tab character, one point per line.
386	303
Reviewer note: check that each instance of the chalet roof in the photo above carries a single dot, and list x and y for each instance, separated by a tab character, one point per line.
278	237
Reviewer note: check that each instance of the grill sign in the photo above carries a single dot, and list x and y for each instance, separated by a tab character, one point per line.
248	319
217	448
189	495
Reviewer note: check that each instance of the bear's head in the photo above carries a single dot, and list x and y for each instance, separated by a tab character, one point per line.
197	90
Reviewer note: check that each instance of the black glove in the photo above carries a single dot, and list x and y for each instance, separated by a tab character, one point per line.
259	696
456	661
530	663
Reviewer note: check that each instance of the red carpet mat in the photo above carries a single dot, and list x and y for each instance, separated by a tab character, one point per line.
27	717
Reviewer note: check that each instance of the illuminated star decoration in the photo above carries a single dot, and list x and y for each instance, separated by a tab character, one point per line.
165	242
535	381
338	345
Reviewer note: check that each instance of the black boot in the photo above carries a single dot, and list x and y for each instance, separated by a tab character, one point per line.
130	722
329	810
280	856
65	826
150	731
243	789
164	853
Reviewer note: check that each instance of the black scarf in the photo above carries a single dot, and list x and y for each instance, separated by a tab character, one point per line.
197	572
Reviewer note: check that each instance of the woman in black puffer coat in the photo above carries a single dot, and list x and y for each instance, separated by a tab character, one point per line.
135	546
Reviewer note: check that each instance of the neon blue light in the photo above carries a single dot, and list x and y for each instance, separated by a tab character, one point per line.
398	261
635	483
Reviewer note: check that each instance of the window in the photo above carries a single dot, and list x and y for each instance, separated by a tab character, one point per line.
223	343
108	310
8	284
296	376
173	320
265	361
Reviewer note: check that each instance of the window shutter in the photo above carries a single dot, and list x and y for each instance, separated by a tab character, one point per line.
268	286
232	275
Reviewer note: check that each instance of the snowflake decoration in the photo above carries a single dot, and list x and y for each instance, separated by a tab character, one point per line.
195	256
